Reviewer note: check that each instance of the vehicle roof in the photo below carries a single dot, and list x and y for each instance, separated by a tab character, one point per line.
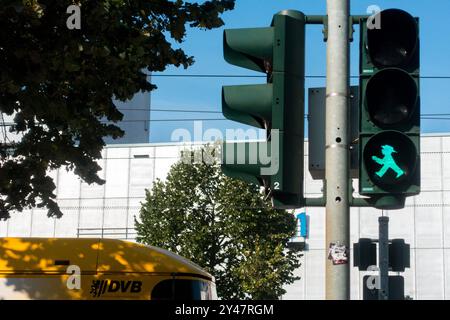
91	255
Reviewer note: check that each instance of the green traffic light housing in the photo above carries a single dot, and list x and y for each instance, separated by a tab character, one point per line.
389	138
239	161
277	51
276	106
249	104
264	164
250	48
278	48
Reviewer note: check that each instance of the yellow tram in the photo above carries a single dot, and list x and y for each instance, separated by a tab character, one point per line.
66	268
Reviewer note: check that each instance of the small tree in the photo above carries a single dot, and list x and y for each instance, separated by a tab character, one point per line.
225	226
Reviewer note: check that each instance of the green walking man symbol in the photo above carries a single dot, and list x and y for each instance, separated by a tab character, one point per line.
387	162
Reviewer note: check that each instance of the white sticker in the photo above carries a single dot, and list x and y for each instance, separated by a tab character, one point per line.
338	253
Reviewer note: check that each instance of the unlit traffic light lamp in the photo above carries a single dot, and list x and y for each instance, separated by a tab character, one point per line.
390	109
276	106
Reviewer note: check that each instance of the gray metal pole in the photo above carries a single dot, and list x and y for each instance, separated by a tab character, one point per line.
383	253
337	150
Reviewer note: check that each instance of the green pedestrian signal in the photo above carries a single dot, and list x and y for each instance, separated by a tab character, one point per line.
390	163
389	126
276	106
387	162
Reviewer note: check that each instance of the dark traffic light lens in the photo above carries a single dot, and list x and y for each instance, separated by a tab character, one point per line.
390	158
391	97
395	43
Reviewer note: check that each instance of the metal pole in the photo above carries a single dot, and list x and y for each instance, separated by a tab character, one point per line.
383	253
337	151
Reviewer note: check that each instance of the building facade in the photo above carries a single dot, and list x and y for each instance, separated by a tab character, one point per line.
136	119
109	211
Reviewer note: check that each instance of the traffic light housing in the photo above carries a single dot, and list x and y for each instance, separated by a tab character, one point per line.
399	255
396	289
390	109
276	106
364	254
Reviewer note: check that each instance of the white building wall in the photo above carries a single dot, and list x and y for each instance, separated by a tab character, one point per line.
111	208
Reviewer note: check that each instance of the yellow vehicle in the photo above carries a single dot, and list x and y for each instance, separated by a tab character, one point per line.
64	268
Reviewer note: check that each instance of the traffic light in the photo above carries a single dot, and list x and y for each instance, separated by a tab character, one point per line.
399	255
276	106
396	288
389	130
364	254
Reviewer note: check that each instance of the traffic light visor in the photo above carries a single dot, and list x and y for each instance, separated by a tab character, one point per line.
249	104
250	48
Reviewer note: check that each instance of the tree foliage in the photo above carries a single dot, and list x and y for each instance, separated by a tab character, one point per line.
60	84
225	226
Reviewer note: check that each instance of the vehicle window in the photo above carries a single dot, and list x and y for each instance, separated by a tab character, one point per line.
181	289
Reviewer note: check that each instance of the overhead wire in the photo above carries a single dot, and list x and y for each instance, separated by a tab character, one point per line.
264	76
442	118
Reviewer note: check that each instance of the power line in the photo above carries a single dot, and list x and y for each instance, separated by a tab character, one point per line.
428	117
207	76
215	112
170	110
188	111
213	119
265	76
170	120
220	112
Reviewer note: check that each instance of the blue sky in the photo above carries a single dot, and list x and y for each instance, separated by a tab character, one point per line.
190	93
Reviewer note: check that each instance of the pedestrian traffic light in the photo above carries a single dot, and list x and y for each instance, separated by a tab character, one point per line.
399	255
396	288
364	254
276	106
389	108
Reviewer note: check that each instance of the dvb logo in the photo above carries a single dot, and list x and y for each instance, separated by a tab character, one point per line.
100	287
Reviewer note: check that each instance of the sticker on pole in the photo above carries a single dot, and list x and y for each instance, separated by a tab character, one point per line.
338	253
